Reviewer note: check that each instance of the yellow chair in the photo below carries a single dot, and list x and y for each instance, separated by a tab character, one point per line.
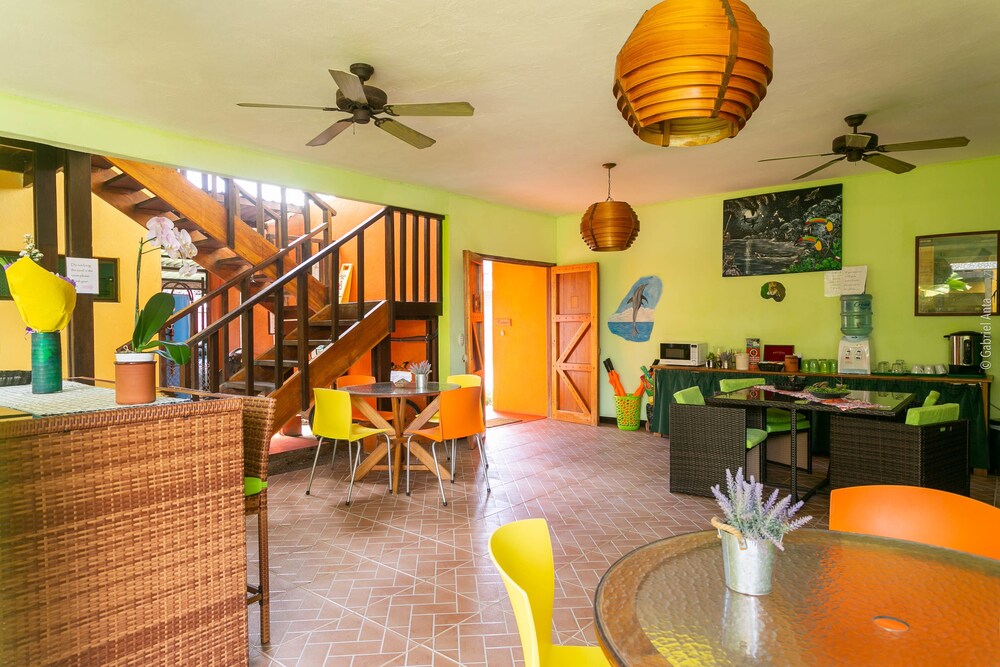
522	552
333	422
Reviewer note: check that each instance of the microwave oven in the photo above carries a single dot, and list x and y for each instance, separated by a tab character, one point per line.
683	354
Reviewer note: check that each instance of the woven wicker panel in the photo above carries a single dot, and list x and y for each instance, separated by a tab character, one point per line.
704	442
875	451
122	538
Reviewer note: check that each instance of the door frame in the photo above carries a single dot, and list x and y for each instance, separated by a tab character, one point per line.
470	257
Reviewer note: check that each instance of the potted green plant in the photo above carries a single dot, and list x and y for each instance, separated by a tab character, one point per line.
752	529
710	360
421	371
135	362
727	359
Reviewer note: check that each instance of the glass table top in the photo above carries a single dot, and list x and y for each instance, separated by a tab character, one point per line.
890	401
390	389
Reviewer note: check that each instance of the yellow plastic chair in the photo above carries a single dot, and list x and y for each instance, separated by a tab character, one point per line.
522	553
333	422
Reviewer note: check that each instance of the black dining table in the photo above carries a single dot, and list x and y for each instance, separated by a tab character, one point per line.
882	404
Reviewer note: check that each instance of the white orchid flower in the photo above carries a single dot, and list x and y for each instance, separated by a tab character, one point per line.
188	269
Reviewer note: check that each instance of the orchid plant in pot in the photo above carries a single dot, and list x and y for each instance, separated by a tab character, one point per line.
752	529
135	369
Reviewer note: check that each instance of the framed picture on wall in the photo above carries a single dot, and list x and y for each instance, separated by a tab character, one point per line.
795	231
956	274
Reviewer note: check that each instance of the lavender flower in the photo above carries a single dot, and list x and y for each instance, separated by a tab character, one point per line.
745	509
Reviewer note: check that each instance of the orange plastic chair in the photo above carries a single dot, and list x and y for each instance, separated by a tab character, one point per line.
461	417
464	380
333	422
917	514
522	552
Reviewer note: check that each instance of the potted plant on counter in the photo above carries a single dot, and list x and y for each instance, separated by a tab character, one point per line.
135	362
751	531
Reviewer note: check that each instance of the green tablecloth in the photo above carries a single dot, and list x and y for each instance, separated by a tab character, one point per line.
967	396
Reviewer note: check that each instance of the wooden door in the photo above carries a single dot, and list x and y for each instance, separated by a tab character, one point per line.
520	319
474	335
574	343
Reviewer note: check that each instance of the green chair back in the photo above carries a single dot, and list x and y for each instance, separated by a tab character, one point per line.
932	414
735	384
690	396
932	398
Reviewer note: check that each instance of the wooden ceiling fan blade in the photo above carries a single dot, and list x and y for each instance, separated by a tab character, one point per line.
819	168
434	109
350	86
329	133
407	134
890	163
794	157
255	105
949	142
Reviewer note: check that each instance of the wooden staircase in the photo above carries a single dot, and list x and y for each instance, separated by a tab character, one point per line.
321	337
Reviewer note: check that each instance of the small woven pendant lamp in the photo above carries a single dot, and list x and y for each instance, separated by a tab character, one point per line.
609	225
693	71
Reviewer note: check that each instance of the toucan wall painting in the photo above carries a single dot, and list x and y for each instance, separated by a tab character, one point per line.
634	318
783	232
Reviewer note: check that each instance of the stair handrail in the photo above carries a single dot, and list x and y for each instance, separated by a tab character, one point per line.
193	307
289	276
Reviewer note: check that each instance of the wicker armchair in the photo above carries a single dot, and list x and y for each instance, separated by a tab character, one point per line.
14	378
877	451
704	442
258	427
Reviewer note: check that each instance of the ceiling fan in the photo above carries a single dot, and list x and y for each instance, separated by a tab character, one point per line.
858	146
365	103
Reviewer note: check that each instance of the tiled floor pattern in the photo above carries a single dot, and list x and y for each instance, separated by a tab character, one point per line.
404	581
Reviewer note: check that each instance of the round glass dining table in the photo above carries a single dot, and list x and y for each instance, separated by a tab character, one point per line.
397	394
838	599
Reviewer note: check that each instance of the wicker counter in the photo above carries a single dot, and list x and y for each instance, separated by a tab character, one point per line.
122	539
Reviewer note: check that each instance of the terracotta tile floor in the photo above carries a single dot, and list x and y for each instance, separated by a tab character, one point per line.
405	581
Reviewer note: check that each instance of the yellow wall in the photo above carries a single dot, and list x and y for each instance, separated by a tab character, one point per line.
115	235
520	359
681	243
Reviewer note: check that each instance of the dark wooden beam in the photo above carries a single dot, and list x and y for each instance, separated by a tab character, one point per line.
79	243
46	163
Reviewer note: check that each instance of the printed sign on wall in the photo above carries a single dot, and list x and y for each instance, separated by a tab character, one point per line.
634	318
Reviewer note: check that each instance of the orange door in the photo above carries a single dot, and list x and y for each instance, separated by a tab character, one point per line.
474	341
520	338
574	343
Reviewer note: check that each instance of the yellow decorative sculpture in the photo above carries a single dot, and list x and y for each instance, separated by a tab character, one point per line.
44	300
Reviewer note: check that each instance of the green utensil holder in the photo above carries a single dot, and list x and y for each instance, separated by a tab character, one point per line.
627	412
46	363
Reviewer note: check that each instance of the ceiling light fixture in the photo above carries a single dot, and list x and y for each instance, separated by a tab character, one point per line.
609	225
693	71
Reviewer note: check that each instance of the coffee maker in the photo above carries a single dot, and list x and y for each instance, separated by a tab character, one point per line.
966	353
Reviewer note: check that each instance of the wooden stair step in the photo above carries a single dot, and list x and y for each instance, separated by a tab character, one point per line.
270	363
155	204
184	223
240	386
100	162
208	243
312	342
230	261
123	181
321	323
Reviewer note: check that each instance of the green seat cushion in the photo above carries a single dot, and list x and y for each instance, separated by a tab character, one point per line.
755	436
253	485
932	398
690	396
739	383
780	421
932	414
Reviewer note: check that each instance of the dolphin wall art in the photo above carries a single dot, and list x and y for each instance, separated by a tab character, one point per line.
633	320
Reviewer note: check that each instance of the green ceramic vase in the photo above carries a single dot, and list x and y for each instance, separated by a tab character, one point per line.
46	363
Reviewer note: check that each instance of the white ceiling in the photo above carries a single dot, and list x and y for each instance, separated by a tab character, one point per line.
538	73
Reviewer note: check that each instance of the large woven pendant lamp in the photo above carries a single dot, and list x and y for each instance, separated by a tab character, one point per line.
693	71
609	225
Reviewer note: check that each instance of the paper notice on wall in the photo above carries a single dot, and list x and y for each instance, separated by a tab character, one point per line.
849	280
83	271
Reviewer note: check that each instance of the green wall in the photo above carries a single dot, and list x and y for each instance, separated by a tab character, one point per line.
681	243
470	224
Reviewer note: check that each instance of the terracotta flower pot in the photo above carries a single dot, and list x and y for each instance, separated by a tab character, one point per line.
135	378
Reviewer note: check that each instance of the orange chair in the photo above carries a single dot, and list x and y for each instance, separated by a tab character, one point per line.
461	417
917	514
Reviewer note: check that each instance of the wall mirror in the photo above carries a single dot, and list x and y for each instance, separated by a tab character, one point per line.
956	274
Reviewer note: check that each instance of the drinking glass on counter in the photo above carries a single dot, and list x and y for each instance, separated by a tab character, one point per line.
883	367
899	366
